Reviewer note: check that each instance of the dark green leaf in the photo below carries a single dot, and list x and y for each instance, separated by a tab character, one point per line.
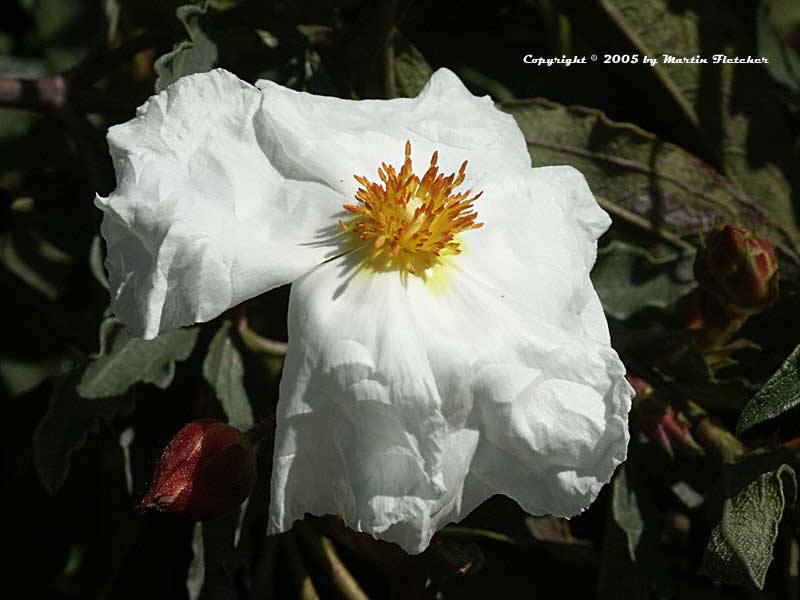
776	23
66	425
632	562
35	261
224	370
744	127
124	360
21	374
640	179
411	68
628	278
741	545
555	535
779	394
196	55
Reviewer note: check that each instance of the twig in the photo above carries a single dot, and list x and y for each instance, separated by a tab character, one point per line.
257	343
324	554
297	569
389	16
641	222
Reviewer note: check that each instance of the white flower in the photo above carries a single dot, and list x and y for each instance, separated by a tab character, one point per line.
432	362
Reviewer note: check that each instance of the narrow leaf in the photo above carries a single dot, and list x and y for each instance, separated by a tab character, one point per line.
779	394
224	370
626	513
642	180
124	360
746	128
66	425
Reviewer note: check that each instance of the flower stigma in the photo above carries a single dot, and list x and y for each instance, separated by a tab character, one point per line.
409	223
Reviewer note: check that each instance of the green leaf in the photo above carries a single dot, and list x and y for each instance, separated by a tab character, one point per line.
642	180
741	545
625	512
411	69
97	262
124	360
196	55
555	535
632	562
779	394
777	22
21	374
743	126
628	278
224	370
35	261
66	425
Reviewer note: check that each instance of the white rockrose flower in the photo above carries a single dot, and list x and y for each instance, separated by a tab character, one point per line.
445	340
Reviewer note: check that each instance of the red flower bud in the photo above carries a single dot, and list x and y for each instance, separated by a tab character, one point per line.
739	268
206	470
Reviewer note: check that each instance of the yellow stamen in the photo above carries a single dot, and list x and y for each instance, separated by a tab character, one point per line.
412	221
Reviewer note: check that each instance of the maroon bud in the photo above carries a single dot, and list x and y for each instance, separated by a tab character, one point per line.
206	470
739	269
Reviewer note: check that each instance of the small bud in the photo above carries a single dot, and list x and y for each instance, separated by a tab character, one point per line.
206	470
739	268
665	426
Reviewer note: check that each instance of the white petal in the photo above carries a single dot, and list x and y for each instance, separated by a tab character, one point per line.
549	405
538	244
515	405
329	139
200	220
360	421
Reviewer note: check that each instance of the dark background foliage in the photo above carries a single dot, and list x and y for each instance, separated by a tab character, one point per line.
670	152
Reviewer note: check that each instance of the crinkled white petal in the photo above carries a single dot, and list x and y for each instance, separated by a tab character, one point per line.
329	139
524	396
360	423
200	219
538	244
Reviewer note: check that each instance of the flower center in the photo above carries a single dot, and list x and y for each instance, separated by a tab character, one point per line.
412	222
